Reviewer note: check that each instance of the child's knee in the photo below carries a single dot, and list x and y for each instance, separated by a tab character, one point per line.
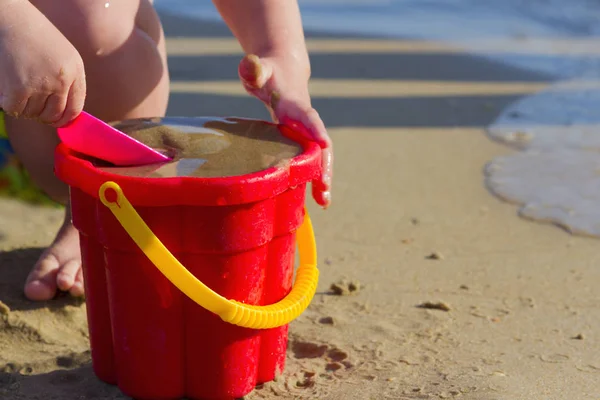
98	28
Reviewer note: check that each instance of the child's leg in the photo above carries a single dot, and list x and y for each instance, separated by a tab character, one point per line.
122	46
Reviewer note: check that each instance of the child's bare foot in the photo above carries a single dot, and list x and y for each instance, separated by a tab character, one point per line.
123	50
59	267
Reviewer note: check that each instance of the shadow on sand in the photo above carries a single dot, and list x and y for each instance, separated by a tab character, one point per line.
78	383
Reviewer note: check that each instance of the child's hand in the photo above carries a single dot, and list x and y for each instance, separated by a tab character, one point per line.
41	73
282	84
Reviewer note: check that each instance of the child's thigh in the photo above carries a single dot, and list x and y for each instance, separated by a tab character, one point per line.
99	26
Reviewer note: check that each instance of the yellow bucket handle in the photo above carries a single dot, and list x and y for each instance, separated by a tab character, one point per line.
231	311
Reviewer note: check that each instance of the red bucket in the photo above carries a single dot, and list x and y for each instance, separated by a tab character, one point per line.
237	235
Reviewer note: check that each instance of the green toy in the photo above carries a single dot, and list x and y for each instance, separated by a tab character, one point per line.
14	179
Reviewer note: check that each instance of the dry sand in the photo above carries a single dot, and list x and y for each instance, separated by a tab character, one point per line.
458	297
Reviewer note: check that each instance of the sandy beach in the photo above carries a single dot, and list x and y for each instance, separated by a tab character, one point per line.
458	297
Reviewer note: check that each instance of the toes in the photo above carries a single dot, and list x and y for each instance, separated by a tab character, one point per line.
41	282
78	289
67	274
58	268
39	290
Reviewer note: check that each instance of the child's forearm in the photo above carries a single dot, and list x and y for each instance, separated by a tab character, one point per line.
266	27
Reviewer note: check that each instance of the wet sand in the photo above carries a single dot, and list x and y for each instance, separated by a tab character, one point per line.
454	295
208	147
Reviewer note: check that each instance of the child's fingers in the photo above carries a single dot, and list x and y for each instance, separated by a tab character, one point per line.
14	104
55	108
313	122
309	123
35	106
304	119
75	102
321	196
311	119
327	166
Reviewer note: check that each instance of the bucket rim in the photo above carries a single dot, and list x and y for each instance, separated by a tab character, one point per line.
80	173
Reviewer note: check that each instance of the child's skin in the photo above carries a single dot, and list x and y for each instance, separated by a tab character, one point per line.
59	58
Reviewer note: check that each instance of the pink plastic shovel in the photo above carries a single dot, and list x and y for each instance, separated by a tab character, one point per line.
88	135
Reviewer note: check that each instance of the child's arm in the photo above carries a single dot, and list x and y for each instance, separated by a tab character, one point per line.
265	27
276	69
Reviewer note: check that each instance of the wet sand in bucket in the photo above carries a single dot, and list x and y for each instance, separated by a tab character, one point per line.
208	147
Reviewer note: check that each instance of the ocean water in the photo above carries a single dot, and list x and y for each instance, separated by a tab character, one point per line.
456	19
554	173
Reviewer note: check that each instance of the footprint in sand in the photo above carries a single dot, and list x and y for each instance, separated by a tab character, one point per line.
313	370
